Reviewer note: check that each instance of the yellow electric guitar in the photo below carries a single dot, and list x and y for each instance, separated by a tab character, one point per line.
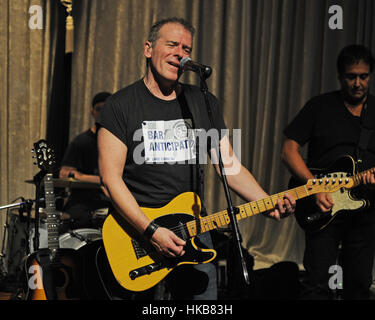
134	261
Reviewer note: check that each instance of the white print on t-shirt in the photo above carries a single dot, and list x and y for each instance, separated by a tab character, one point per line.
168	141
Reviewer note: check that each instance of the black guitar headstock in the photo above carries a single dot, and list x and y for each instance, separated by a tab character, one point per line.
44	156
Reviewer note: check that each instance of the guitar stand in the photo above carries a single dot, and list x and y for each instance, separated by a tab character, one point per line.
237	239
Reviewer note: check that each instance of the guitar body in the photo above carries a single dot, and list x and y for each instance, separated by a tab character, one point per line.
307	214
134	262
56	280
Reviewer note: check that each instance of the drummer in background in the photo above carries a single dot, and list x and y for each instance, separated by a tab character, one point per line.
80	162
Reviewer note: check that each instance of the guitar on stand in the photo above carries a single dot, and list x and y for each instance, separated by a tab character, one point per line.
50	273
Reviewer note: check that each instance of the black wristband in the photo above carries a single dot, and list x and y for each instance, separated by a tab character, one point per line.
150	230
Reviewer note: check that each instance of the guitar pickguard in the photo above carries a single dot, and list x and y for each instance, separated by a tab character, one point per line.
343	200
307	214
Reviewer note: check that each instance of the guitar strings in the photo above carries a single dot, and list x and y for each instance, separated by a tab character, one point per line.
222	216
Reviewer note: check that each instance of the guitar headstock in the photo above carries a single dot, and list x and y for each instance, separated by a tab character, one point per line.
44	156
329	184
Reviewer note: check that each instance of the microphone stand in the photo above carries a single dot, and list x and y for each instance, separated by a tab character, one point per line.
231	210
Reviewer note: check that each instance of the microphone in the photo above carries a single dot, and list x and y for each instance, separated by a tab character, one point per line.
188	64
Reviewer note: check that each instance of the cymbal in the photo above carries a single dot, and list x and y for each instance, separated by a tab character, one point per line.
71	183
42	214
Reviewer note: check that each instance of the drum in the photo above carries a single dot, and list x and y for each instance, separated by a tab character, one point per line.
78	238
16	244
19	240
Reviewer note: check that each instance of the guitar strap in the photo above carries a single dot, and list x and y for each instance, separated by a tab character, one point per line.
364	137
195	110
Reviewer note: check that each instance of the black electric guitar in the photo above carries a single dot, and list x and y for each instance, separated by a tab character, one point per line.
307	214
51	272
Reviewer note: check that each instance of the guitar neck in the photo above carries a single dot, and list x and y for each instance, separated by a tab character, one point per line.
359	176
52	218
222	219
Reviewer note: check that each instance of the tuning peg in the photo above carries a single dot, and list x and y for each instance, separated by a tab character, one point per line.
32	150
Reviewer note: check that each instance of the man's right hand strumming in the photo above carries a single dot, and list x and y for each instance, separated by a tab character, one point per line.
168	243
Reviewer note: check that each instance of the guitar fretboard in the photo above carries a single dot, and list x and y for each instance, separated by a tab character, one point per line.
52	218
359	176
222	219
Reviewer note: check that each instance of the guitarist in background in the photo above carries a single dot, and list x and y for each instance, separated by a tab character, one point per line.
154	111
331	124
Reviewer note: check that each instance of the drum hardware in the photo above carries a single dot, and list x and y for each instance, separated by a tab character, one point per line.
98	216
79	237
71	183
24	206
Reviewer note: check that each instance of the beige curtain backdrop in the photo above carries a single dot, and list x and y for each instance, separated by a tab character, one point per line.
268	58
26	61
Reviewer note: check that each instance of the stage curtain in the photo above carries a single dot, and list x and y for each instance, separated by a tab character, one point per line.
26	64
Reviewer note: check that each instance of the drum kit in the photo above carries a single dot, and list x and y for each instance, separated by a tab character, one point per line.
22	224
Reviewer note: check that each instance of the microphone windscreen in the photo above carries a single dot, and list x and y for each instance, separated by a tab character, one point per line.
183	61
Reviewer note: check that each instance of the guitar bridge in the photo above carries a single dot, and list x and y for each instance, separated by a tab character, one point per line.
145	270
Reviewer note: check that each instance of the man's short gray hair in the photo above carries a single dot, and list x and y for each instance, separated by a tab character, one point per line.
154	31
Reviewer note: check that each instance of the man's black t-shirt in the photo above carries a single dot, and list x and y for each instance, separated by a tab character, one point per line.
331	131
82	153
160	145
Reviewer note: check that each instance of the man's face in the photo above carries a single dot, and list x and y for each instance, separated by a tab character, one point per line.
95	111
173	44
355	82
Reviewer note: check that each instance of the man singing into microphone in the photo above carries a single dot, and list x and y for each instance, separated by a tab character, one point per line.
144	160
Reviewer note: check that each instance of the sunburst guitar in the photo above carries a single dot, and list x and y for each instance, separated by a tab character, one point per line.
50	273
134	261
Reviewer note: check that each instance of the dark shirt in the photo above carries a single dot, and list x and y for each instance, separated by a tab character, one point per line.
156	133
